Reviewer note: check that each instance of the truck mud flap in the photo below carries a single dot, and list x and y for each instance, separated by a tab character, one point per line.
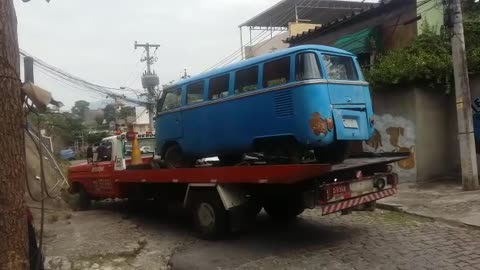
350	203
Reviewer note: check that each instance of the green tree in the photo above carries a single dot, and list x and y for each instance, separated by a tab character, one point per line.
80	108
428	60
64	126
96	137
472	34
110	113
99	119
126	112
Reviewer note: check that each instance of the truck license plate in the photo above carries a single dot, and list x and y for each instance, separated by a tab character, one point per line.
350	123
340	189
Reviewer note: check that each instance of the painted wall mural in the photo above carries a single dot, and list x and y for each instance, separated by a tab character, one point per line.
395	134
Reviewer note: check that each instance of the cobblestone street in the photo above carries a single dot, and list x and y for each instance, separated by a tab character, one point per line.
110	237
380	240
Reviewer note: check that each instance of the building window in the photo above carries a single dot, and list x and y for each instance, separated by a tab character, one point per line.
246	80
172	99
219	87
195	92
307	67
340	67
276	72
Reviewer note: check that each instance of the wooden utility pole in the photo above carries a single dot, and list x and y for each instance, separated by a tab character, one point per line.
466	137
13	218
149	80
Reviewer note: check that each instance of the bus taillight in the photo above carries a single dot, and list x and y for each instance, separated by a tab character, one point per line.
330	124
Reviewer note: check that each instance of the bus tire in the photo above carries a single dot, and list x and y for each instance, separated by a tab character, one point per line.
209	215
174	158
283	210
84	200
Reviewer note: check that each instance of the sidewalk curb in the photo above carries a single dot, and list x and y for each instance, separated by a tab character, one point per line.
399	208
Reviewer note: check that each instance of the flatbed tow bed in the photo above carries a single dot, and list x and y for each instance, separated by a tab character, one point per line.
222	199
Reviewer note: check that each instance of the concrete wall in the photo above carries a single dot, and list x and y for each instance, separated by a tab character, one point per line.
436	142
421	122
432	13
268	46
395	128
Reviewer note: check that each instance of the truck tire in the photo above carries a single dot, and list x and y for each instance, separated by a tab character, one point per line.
209	215
283	210
84	200
254	209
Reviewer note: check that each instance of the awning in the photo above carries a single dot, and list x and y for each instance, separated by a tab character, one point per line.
363	41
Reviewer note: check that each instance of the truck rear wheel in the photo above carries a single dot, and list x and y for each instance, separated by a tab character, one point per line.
209	215
284	210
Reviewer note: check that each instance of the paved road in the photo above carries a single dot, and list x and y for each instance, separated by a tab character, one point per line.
110	237
380	240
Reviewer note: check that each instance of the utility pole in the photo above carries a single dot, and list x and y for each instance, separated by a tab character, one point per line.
463	99
149	79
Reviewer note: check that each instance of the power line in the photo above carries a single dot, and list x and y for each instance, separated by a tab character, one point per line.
232	57
81	83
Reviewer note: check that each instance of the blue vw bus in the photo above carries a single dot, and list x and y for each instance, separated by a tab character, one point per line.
282	104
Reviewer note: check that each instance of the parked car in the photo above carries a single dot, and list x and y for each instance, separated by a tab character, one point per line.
146	149
68	154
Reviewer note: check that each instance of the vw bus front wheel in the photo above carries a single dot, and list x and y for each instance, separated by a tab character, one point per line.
174	158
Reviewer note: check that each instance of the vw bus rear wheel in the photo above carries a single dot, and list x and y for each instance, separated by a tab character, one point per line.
174	158
230	160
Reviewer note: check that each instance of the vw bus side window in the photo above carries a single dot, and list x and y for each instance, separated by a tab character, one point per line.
172	100
246	80
219	87
307	67
195	92
276	72
340	67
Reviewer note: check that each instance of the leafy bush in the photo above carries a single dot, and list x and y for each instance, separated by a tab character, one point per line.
428	60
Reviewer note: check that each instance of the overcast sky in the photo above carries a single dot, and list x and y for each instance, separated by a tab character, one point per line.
93	39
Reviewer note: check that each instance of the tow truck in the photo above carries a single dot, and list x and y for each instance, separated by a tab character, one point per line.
222	199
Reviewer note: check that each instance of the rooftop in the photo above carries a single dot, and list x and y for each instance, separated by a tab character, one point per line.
362	13
311	11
